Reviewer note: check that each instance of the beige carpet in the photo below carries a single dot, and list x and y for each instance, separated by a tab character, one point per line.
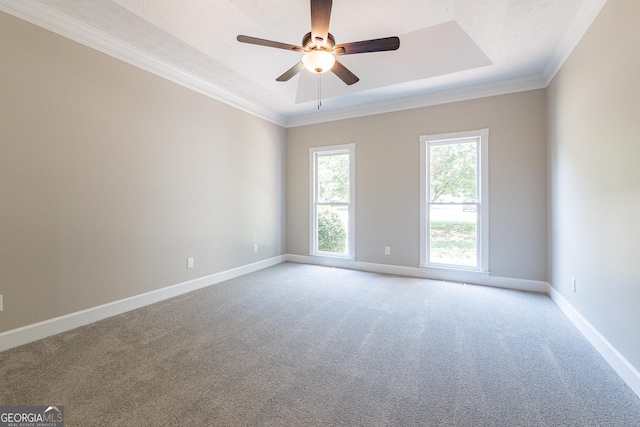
298	345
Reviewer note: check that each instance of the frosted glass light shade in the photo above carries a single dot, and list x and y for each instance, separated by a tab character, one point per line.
318	61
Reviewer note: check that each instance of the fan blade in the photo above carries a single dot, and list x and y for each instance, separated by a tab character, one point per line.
375	45
320	15
344	74
293	71
269	43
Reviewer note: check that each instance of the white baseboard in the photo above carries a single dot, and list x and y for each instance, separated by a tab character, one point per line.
30	333
470	277
618	362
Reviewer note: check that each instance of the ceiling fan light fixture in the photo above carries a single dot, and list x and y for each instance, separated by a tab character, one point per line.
318	61
320	49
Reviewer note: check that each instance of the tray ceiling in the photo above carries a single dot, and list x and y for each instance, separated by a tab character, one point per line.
449	49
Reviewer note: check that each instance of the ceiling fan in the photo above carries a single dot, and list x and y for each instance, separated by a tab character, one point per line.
320	49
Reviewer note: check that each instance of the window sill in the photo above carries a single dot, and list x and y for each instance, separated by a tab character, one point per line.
332	256
333	260
453	273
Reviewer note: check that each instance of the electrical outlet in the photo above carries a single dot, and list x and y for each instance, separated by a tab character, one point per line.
189	262
387	250
255	248
573	284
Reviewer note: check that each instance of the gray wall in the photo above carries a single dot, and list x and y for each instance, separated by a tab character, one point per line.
388	179
594	177
110	177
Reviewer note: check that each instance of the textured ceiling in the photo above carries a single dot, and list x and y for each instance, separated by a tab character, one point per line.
446	47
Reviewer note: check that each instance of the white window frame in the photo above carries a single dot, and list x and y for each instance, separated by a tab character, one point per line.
314	152
482	138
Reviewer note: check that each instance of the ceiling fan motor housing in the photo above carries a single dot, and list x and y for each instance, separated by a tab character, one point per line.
309	44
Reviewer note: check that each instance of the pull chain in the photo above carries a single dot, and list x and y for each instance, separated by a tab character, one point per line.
319	90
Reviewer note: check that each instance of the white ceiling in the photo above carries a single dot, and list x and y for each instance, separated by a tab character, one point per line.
449	49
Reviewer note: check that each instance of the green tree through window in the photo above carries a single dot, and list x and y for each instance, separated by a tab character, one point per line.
453	172
453	218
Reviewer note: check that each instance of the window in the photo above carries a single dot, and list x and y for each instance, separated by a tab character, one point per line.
332	193
454	208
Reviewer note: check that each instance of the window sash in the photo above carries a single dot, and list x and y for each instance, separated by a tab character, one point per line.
432	145
433	253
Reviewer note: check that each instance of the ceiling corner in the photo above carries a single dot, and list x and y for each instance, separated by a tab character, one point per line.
572	37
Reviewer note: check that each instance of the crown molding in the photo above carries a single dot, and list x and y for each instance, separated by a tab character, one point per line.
572	37
59	23
464	93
